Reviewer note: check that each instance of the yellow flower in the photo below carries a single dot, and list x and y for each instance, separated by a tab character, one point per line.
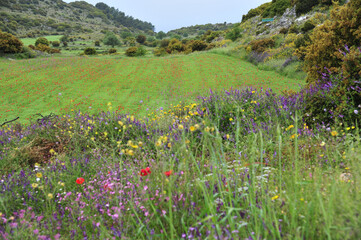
227	136
334	133
39	175
192	128
130	152
50	196
206	129
105	134
140	144
231	119
169	145
322	144
34	185
41	187
158	143
52	151
196	126
275	197
37	165
302	199
180	127
120	123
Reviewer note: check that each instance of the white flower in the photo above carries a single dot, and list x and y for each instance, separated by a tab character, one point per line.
356	112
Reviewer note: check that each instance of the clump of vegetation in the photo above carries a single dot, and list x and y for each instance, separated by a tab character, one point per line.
261	45
90	51
111	40
342	29
198	45
112	50
9	43
141	39
55	43
135	51
97	43
256	11
42	41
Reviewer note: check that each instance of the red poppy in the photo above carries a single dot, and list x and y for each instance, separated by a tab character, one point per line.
145	172
168	173
80	180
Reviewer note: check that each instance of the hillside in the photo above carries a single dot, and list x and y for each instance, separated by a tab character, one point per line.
29	18
200	29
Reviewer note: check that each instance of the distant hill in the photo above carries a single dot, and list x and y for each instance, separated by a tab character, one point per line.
28	18
199	29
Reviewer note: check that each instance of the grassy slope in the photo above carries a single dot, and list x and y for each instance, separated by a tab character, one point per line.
89	84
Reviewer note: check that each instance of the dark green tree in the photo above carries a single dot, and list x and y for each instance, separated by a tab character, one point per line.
141	39
161	35
111	40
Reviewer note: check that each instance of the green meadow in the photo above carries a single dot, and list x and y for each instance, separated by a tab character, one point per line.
129	85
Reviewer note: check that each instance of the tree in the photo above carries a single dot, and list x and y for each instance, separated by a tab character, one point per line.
9	43
234	34
161	35
141	39
111	40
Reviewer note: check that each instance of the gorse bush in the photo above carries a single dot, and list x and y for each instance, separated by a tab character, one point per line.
141	39
42	41
9	43
261	45
342	29
277	8
90	51
198	45
304	6
55	43
112	50
131	52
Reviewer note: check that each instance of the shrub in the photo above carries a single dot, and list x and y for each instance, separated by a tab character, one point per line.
28	52
131	52
283	30
111	40
293	29
176	46
141	39
141	51
337	97
304	6
342	29
32	47
42	41
160	52
90	51
164	43
65	44
261	45
198	45
97	43
9	43
234	34
112	50
277	8
256	11
55	43
307	26
43	48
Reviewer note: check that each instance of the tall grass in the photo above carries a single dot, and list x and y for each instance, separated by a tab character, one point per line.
236	164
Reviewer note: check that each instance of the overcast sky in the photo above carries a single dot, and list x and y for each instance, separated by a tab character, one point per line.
167	15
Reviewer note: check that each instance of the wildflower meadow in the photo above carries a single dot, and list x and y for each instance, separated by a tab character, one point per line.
232	156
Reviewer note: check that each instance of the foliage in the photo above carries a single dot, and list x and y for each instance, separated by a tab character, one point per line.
159	52
198	45
160	35
283	30
97	43
175	46
337	97
256	11
261	45
90	51
55	43
209	36
126	34
131	52
307	26
234	34
164	43
277	8
111	40
304	6
112	50
42	41
342	29
9	43
120	18
141	39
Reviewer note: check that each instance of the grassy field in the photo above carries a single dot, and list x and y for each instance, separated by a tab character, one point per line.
31	41
134	85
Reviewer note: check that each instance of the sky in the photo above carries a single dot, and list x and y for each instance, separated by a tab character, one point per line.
167	15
